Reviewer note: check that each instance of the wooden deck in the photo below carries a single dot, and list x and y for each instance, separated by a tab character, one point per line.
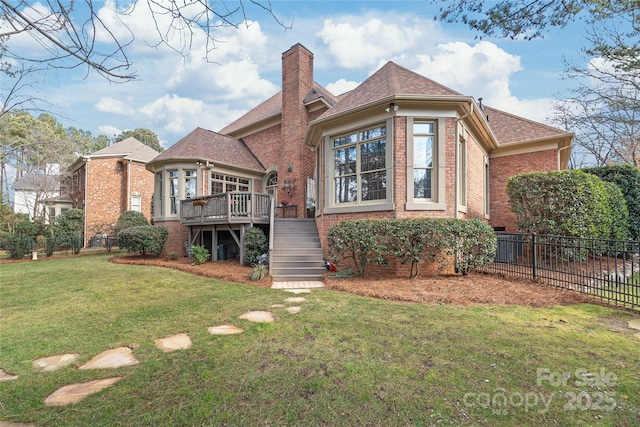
227	208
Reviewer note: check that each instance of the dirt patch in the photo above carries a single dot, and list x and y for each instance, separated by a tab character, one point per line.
229	270
473	289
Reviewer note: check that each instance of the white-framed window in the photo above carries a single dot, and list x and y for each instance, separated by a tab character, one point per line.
360	166
174	191
425	163
190	183
159	195
136	203
221	183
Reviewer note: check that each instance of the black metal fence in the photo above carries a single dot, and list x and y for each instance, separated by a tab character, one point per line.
605	269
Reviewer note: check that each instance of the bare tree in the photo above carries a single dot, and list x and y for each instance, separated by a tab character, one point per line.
71	33
604	108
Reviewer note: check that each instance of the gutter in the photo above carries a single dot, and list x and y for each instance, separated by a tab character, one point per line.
456	162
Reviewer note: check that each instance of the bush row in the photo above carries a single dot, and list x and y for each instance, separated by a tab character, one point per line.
568	203
425	240
143	239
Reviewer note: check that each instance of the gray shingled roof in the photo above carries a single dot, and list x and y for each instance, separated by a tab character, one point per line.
202	144
40	182
130	149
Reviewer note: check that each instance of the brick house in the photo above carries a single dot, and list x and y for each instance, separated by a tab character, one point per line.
108	182
399	145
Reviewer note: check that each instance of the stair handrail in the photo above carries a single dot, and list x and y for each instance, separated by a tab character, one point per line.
272	209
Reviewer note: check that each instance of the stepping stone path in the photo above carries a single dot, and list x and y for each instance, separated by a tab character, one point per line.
123	356
114	358
10	424
258	316
225	330
635	324
293	310
74	393
53	363
173	343
7	377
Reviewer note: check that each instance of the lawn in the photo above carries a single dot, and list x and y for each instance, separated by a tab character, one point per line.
343	360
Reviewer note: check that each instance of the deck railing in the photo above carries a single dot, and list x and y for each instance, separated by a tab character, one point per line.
226	207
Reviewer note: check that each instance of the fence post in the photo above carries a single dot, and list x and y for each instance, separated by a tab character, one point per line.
534	254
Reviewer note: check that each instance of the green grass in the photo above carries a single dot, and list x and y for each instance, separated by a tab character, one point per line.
343	360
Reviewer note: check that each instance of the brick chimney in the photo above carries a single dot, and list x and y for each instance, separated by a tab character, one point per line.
297	82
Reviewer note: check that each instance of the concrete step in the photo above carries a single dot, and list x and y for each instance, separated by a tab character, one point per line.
298	271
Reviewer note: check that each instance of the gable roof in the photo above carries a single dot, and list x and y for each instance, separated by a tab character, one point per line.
272	108
130	149
388	81
205	145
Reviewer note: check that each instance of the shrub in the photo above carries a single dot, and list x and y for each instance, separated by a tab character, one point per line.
143	239
259	272
17	245
68	230
627	178
563	203
200	254
255	244
473	243
173	256
359	241
130	219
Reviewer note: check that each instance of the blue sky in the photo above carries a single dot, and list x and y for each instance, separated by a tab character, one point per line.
350	40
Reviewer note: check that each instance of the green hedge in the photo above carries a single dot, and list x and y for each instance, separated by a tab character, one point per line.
627	178
255	244
425	240
130	219
143	239
567	203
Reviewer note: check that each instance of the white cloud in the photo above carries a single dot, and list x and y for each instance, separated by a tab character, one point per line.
355	43
109	131
341	86
114	106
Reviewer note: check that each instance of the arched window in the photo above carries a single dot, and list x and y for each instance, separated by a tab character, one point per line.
271	185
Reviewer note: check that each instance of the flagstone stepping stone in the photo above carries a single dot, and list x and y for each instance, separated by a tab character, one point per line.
7	377
114	358
258	316
53	363
634	324
173	343
295	299
74	393
293	310
637	336
276	306
225	330
298	291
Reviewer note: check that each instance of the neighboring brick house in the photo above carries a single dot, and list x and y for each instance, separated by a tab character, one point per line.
109	182
398	145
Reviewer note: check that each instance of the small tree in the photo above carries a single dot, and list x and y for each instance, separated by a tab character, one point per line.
68	230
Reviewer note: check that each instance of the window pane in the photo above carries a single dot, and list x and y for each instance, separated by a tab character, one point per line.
217	187
422	153
423	128
190	183
344	140
345	161
346	189
372	156
374	185
422	183
373	133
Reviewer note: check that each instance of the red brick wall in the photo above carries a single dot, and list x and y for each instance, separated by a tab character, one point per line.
501	168
178	235
110	185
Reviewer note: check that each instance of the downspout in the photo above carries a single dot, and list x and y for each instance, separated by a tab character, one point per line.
456	160
128	201
84	203
563	148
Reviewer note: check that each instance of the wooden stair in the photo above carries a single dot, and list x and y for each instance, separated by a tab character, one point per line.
297	253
